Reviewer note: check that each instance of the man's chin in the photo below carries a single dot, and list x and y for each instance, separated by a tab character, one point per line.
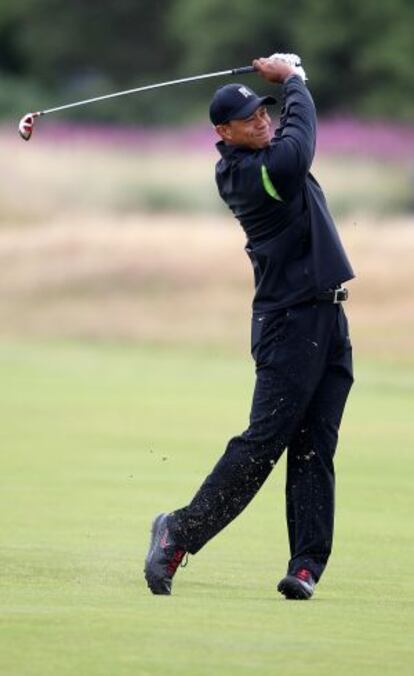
258	144
263	144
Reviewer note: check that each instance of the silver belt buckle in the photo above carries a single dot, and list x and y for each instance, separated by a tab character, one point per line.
336	300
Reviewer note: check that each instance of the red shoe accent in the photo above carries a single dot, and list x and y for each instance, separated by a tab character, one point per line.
177	556
303	574
175	561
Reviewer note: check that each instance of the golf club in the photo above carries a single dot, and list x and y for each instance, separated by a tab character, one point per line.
27	121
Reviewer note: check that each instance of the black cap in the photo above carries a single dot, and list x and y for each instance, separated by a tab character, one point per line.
235	102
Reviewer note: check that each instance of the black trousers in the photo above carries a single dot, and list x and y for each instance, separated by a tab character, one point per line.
303	376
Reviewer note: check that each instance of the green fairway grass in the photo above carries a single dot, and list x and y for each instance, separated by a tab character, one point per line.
96	439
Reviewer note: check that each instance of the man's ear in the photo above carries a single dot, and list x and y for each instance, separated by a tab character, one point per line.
224	131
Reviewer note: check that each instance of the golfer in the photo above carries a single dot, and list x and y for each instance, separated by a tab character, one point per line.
300	340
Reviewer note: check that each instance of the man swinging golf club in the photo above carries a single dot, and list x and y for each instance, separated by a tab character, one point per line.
300	340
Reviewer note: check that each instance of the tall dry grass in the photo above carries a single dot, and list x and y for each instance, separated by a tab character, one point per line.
130	241
184	279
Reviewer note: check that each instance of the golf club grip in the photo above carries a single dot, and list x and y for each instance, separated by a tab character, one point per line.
244	69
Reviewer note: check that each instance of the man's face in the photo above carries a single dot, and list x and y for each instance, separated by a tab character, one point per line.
253	132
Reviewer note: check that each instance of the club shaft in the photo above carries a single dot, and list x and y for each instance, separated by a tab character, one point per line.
234	71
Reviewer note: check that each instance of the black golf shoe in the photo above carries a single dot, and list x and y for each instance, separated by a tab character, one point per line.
163	558
299	585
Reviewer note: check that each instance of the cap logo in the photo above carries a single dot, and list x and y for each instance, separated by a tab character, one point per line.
245	92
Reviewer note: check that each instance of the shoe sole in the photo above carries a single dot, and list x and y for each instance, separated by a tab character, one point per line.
157	585
294	589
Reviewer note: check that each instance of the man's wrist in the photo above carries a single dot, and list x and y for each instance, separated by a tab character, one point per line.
289	77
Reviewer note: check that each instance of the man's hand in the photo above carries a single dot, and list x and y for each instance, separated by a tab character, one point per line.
273	70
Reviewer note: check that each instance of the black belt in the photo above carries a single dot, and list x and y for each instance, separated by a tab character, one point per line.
333	295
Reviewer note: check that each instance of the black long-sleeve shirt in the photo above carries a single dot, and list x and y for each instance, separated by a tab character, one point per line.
292	240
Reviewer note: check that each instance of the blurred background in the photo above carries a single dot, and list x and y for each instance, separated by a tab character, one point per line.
110	224
125	301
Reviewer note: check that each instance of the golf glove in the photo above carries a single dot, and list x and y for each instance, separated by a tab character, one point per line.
293	60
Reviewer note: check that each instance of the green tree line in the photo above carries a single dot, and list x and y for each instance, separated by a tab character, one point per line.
358	54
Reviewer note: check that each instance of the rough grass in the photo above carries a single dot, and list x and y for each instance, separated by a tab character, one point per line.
97	439
175	279
106	241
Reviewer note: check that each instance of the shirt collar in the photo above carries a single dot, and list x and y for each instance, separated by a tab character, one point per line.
229	152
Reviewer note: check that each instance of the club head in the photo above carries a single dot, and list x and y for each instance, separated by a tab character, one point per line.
26	126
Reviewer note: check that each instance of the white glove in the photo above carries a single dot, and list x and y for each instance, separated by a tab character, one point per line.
293	60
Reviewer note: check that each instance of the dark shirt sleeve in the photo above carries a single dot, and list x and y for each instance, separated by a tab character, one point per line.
289	157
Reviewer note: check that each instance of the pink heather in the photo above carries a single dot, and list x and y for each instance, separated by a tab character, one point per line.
385	140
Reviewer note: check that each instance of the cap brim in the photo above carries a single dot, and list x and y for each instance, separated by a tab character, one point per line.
251	106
